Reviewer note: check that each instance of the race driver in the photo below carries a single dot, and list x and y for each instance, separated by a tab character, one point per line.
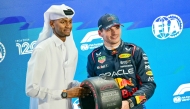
127	63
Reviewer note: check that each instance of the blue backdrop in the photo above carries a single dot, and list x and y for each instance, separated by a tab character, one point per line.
160	27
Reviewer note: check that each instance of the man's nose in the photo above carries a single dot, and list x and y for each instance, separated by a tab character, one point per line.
68	25
113	31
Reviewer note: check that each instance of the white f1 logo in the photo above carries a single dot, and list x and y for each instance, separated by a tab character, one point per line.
182	89
90	36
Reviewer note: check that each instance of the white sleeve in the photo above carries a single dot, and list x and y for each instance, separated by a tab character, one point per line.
35	71
75	83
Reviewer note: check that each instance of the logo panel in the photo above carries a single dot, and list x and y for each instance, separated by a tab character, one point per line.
101	59
2	52
86	42
165	27
124	55
179	95
24	46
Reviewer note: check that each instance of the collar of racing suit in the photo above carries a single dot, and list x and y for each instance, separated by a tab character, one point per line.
114	51
115	54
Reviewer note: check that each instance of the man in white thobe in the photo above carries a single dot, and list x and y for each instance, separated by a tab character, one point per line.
51	68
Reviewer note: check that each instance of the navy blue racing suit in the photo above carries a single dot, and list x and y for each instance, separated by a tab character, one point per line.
129	66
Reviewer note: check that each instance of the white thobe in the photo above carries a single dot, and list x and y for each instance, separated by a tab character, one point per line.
51	69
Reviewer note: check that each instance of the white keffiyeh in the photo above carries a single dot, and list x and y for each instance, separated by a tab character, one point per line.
53	13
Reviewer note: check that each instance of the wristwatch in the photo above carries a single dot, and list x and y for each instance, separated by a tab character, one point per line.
131	104
64	94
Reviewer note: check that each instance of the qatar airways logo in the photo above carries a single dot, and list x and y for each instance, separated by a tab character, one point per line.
169	26
86	42
179	95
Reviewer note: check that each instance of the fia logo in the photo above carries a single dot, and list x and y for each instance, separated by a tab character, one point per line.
84	47
165	27
2	52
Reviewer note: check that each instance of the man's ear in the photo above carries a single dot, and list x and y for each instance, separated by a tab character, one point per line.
100	33
51	23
